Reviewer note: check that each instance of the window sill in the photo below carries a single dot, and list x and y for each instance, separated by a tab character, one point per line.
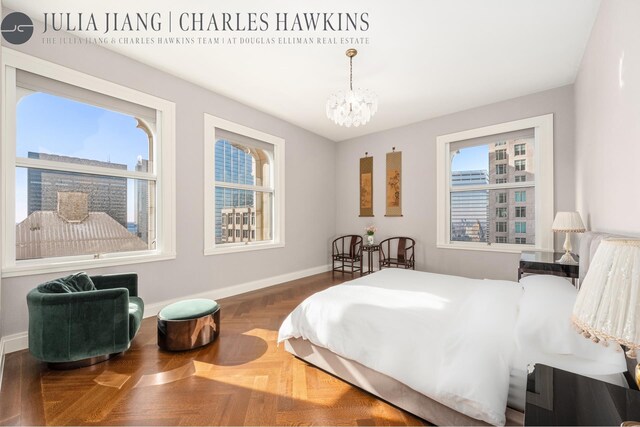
505	248
30	268
222	249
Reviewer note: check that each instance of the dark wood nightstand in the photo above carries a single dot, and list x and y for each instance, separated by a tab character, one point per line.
538	262
559	398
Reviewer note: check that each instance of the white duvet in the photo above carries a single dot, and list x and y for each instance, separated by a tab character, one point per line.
449	338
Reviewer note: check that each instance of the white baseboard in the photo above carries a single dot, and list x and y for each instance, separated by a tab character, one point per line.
20	341
153	309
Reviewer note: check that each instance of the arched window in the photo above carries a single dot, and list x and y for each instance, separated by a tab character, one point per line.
84	170
245	170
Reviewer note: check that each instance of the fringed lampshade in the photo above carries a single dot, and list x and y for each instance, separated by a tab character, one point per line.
608	305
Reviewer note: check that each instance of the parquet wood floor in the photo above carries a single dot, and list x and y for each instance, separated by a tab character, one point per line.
241	379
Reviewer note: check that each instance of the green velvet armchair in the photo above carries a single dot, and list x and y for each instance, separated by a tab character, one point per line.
80	320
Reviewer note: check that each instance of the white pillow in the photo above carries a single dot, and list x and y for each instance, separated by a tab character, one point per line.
544	329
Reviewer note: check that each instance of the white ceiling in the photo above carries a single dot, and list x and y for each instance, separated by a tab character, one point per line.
425	58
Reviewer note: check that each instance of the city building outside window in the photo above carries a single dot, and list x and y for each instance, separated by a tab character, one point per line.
85	161
477	189
521	240
501	154
244	173
521	227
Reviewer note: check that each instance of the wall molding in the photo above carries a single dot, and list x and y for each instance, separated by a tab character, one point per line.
20	341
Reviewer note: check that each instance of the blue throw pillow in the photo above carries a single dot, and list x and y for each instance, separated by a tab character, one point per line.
79	282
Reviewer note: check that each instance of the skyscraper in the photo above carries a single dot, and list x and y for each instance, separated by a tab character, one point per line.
106	194
512	210
469	208
142	203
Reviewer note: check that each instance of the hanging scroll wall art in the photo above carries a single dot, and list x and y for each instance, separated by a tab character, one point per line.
366	185
394	183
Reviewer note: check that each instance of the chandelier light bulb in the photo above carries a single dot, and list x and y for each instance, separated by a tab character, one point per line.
354	107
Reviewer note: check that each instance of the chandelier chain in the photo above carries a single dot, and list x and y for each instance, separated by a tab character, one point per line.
351	73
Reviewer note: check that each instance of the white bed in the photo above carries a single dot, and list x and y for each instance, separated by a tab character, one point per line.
449	349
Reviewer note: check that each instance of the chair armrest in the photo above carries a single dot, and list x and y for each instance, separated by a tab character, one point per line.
112	281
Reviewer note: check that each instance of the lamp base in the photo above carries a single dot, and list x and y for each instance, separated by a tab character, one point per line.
567	258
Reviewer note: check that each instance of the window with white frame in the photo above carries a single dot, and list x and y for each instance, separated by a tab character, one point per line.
88	170
527	181
244	177
501	154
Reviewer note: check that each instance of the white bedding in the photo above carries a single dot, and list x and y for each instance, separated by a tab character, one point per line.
448	337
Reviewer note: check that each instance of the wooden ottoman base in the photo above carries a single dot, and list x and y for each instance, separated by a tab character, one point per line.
180	335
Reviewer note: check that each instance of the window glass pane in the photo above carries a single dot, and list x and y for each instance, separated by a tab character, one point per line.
480	216
469	216
65	214
240	204
242	164
54	128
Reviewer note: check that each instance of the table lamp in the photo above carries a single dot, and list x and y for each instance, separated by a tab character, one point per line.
607	307
568	222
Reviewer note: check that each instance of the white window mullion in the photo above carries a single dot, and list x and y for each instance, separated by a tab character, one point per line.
80	168
511	185
246	187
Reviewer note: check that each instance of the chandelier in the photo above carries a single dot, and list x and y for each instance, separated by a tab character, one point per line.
353	107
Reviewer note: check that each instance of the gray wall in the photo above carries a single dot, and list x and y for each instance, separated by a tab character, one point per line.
418	145
310	202
607	98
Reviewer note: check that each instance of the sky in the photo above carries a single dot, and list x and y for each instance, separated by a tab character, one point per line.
471	158
55	125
